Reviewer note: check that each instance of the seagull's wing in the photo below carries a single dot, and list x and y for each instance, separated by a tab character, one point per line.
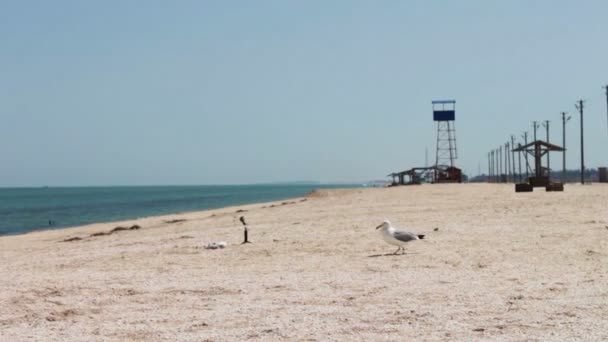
405	236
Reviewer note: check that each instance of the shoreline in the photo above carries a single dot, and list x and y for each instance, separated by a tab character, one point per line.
178	212
155	218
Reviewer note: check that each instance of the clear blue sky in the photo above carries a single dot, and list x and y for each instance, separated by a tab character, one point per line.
217	92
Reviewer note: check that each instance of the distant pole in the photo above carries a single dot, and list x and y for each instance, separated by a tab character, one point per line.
513	157
489	168
564	120
495	161
511	174
500	164
606	89
497	166
508	162
535	126
519	154
492	166
526	154
488	164
491	156
504	163
546	125
490	161
580	108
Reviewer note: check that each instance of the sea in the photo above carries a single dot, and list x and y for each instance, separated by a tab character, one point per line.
24	210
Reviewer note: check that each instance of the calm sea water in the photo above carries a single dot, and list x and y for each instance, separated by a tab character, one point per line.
28	209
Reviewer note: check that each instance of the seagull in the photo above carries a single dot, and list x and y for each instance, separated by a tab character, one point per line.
397	237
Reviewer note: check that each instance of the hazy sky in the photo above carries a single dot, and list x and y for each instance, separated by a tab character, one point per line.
217	92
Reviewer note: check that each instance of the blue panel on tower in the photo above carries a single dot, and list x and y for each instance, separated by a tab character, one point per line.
444	115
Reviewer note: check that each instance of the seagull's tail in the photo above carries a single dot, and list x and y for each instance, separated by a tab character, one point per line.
421	236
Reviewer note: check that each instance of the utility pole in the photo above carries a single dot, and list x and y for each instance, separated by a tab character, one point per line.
500	164
606	88
504	165
491	173
535	125
564	120
580	107
513	156
496	166
507	162
546	125
488	164
492	166
519	154
526	154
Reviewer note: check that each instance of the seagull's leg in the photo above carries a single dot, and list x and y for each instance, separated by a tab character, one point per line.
397	250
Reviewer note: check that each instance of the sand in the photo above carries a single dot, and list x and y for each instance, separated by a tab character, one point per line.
495	265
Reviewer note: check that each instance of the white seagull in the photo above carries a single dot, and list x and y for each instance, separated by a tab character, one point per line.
397	237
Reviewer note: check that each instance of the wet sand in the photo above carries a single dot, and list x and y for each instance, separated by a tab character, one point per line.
495	265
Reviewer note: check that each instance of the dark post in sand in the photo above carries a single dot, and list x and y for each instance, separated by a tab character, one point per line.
245	240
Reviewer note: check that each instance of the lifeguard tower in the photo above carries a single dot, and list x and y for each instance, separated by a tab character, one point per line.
444	113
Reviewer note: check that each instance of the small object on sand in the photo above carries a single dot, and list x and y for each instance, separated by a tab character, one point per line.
397	237
245	233
175	221
436	229
75	238
216	245
116	229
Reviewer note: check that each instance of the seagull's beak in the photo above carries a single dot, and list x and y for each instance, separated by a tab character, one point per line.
380	226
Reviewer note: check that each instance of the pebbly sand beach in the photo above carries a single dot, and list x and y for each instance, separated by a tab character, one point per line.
495	265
